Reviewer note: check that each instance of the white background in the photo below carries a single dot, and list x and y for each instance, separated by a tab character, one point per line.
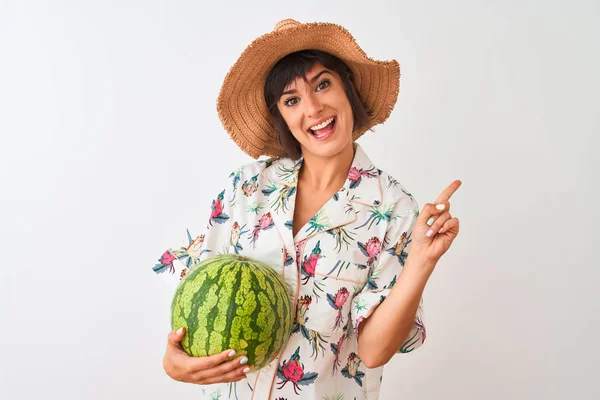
111	148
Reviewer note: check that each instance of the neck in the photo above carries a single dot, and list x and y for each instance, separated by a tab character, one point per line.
326	174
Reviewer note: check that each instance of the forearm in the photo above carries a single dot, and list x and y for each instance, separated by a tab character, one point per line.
386	330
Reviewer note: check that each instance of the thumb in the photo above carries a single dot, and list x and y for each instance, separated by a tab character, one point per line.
176	336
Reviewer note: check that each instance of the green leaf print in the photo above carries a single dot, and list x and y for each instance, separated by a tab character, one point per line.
318	223
334	397
378	214
255	207
341	236
360	304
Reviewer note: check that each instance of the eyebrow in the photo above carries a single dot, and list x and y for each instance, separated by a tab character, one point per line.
313	79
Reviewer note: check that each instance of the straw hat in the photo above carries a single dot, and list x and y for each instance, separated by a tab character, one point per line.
241	104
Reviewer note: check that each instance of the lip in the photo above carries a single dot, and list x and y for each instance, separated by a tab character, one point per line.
327	135
318	123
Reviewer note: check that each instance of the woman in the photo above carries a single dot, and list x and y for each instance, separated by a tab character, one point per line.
337	228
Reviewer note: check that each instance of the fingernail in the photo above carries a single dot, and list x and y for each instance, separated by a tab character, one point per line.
246	370
179	331
244	360
231	353
440	207
429	233
430	221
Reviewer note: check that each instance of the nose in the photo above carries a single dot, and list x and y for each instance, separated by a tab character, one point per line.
313	105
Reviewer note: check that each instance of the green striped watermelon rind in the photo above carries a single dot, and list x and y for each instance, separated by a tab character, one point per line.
260	322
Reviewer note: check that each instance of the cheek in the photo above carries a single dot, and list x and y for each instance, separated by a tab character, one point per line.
294	124
348	109
289	118
348	116
343	104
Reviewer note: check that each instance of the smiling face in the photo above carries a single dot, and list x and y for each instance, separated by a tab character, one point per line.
318	112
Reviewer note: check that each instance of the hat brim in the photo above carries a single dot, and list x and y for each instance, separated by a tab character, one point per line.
241	105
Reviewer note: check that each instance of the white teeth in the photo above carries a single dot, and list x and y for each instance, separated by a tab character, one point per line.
322	125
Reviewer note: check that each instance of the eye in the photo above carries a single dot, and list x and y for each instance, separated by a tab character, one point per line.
323	85
291	101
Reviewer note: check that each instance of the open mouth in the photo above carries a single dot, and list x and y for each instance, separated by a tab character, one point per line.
323	130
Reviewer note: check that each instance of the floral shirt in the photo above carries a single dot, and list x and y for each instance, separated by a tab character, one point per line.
340	266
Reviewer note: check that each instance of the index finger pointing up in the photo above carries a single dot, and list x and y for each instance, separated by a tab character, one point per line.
448	192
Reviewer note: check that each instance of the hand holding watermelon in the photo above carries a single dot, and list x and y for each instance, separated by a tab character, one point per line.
228	304
220	368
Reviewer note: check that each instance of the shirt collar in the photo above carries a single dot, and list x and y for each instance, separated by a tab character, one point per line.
362	184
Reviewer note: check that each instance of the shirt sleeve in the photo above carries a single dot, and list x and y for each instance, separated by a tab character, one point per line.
394	252
201	243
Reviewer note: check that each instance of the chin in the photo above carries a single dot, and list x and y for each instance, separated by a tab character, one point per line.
329	150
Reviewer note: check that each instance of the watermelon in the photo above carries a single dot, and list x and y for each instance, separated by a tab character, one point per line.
233	302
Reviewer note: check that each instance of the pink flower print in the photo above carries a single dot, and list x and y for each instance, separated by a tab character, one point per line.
336	350
371	249
254	236
300	248
167	260
354	174
293	371
217	214
217	209
265	221
341	297
309	264
337	302
351	370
